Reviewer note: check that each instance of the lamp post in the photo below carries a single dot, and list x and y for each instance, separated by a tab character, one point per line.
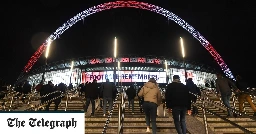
46	56
71	69
114	60
183	56
119	79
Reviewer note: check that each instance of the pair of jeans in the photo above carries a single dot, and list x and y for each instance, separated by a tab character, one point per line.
225	97
110	103
87	103
101	103
150	110
194	108
179	114
131	102
140	103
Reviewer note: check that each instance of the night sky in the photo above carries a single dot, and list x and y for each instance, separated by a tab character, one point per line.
228	25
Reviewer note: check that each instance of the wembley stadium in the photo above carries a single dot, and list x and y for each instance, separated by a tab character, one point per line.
131	69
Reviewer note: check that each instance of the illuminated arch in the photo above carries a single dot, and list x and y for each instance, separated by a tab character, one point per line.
130	4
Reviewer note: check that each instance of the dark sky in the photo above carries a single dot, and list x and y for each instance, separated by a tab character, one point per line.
228	25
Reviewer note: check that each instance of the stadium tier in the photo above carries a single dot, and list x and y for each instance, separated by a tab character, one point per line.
133	69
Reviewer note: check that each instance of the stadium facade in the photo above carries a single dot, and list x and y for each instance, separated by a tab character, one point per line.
133	69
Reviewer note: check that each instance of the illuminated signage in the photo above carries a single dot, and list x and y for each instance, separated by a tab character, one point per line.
124	76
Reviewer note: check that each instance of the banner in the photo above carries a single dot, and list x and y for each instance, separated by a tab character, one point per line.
42	122
124	76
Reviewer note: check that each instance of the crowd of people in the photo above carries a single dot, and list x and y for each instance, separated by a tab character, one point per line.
177	97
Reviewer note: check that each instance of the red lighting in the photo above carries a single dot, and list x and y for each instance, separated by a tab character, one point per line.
124	60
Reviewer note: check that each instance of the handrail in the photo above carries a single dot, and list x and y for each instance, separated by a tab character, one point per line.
46	95
220	105
37	107
110	114
66	103
206	99
232	123
121	112
68	97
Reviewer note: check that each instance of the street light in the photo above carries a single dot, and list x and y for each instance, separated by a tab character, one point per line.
47	50
183	56
115	47
182	48
46	55
118	67
114	60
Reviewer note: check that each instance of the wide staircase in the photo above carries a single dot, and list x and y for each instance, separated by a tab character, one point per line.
134	123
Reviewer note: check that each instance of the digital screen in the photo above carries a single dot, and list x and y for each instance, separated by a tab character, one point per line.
124	76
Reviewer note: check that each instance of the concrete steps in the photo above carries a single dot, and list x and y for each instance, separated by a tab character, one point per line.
135	123
222	127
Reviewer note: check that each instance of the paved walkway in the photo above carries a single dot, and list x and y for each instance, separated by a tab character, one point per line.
194	126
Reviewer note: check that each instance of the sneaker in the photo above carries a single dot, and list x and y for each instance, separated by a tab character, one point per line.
108	112
132	113
147	131
104	115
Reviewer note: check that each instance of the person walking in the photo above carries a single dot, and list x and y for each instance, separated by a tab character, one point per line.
178	101
107	89
152	99
91	94
223	88
131	93
244	94
196	91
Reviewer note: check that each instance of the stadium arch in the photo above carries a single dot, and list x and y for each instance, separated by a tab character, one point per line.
128	4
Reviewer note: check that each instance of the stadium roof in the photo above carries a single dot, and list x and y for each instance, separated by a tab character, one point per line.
105	63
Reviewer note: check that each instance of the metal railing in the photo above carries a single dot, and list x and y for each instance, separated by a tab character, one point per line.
110	114
41	105
231	122
222	106
205	100
121	112
69	95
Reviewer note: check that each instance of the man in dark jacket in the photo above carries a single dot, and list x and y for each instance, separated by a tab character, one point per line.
107	92
178	100
196	91
131	93
91	94
141	100
223	87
